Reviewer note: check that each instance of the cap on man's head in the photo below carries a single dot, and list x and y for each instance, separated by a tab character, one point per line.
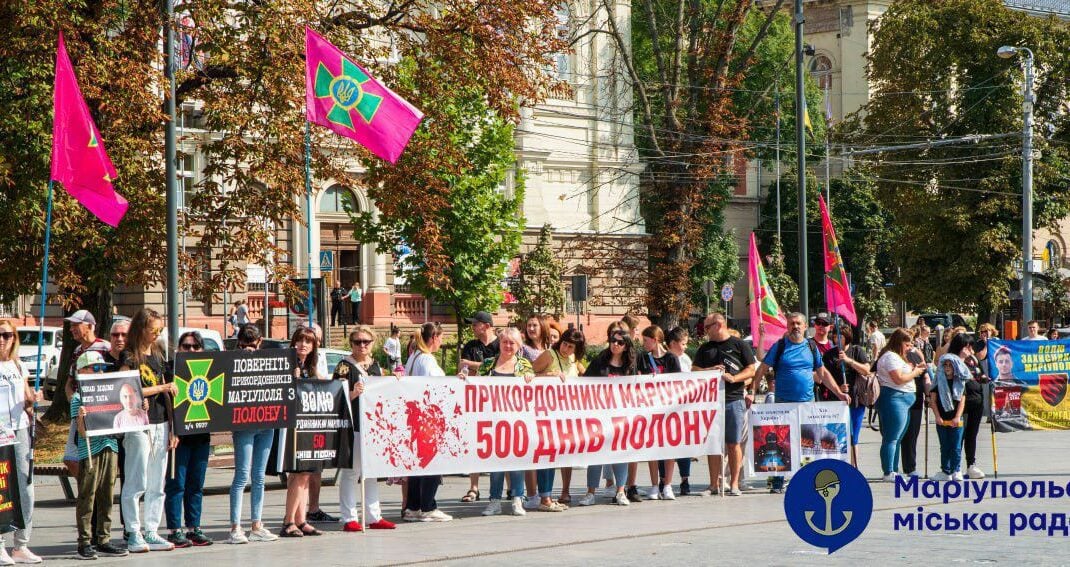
81	316
89	358
480	317
822	318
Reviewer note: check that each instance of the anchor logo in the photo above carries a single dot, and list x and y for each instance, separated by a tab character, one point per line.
828	503
827	484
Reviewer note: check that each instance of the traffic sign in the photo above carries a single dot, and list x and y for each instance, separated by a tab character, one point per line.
326	260
708	287
727	292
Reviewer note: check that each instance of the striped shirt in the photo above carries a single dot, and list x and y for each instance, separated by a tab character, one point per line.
96	444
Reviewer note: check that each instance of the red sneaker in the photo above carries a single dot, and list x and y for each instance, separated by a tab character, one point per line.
383	524
352	527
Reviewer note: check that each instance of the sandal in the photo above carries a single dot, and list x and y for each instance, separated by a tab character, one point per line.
314	531
287	532
564	499
470	496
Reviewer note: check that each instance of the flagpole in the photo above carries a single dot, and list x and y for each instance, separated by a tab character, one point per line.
308	207
41	326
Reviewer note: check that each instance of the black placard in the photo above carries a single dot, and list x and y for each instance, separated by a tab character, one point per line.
323	433
234	390
113	402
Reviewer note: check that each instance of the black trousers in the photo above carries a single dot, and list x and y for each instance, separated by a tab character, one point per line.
974	411
421	493
908	447
337	312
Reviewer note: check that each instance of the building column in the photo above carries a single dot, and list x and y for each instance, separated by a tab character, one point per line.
376	309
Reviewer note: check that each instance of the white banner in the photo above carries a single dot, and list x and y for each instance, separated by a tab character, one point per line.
784	437
445	425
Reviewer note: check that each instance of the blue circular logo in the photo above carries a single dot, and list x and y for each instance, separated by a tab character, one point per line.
198	389
828	504
345	91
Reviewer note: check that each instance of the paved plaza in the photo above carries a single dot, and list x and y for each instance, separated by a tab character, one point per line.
692	530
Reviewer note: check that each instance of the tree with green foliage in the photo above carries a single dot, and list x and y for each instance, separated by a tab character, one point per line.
701	74
538	289
957	208
1056	300
479	225
862	228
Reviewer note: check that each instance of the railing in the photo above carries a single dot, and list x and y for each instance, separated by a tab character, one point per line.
255	304
411	306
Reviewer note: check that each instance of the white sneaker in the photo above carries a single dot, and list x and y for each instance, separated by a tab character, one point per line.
157	543
494	508
890	477
621	499
940	476
261	534
518	506
410	516
975	473
237	537
440	516
667	493
587	499
957	476
653	493
24	555
531	502
5	559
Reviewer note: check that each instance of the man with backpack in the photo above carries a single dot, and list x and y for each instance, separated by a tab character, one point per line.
798	366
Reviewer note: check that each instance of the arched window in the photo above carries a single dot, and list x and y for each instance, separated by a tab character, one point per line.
821	69
563	59
1052	255
335	199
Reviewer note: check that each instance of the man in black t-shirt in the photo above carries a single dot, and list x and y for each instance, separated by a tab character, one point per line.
736	358
484	346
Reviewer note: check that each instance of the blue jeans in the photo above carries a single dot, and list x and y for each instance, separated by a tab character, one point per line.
497	484
251	450
950	448
893	407
620	475
544	480
858	415
185	490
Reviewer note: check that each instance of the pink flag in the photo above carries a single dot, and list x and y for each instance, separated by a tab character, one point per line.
79	161
341	96
837	291
765	314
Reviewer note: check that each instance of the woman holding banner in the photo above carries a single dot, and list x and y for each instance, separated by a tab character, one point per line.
354	369
656	359
252	448
898	391
618	359
18	399
420	504
563	362
145	467
303	342
508	363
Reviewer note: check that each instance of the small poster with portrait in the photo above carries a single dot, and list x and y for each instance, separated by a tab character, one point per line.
113	402
773	449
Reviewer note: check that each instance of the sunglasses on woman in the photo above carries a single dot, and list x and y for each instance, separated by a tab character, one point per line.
361	342
189	346
619	342
7	336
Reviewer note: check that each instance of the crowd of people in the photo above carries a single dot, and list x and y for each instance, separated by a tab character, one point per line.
900	377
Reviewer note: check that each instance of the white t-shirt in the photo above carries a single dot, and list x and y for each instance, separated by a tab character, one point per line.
423	364
685	362
876	341
891	361
392	348
13	396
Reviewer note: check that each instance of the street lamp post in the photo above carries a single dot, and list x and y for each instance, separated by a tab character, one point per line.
1007	52
800	140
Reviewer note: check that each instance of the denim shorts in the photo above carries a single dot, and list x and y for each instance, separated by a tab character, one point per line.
735	415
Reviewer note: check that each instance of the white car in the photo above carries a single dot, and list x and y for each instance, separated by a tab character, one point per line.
213	341
334	356
53	345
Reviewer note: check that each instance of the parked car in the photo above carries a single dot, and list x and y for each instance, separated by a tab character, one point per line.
334	356
232	344
53	345
213	341
948	320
